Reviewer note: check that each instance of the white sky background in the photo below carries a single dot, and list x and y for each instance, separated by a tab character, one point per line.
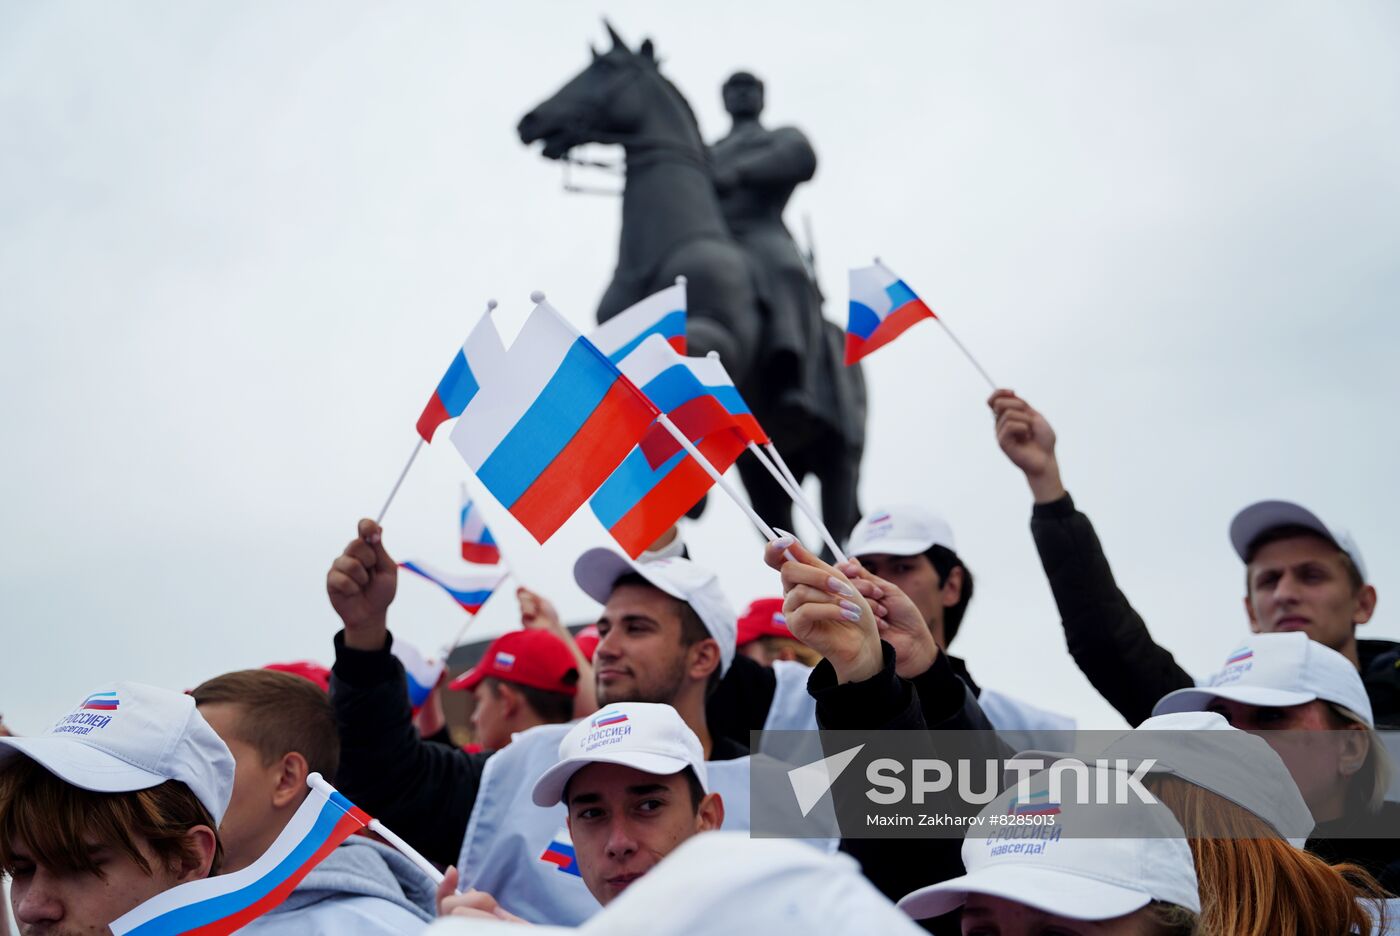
240	242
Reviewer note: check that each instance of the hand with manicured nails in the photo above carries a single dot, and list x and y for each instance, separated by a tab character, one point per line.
826	612
1027	439
899	622
361	585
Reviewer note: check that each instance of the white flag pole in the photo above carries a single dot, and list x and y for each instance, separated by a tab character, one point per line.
795	493
318	783
714	474
402	474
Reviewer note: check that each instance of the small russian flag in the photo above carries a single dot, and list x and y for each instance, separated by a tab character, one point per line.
478	545
1239	656
560	853
882	309
482	351
505	662
470	590
550	430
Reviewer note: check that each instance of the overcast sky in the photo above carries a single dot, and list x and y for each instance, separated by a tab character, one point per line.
239	243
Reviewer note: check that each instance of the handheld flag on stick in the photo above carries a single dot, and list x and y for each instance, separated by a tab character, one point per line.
669	381
550	430
481	350
882	309
661	314
470	590
478	545
218	905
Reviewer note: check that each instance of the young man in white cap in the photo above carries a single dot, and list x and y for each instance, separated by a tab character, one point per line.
667	634
119	801
914	550
634	784
1301	574
1311	706
1072	877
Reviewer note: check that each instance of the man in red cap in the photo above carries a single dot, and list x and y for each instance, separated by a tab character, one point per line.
525	678
765	638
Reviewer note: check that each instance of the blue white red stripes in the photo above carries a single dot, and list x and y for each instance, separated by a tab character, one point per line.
478	545
638	503
660	314
102	702
560	853
421	673
470	590
553	427
479	355
882	308
223	904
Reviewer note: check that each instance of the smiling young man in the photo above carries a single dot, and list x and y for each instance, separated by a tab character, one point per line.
1301	575
118	802
667	633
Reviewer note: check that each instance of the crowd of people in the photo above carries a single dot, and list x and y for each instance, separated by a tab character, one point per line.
608	788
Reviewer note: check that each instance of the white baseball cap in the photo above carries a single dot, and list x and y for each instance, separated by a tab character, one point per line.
1203	749
900	530
598	570
126	736
650	737
1257	519
1278	670
1082	878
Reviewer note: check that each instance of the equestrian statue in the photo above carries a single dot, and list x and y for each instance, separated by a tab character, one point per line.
715	216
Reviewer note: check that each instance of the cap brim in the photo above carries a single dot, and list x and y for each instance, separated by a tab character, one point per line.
1197	700
468	680
1256	519
889	547
1046	889
81	765
598	569
549	788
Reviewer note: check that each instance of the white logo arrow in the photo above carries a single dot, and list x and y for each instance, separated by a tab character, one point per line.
811	781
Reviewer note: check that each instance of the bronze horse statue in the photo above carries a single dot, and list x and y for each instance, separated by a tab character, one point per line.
672	225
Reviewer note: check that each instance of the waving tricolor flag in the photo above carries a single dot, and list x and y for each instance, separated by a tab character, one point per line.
661	314
469	590
882	309
478	545
668	381
421	673
550	429
218	905
480	353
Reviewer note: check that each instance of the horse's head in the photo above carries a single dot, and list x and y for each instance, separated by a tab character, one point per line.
601	104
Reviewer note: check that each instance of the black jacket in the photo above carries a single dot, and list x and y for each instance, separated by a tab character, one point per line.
421	789
1110	642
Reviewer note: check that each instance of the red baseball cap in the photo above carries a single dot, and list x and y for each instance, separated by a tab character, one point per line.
315	672
762	618
588	640
533	658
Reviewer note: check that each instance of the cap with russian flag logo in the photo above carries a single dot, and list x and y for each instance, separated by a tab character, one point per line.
126	736
900	530
1276	671
598	570
646	736
1080	871
763	618
533	658
1259	518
